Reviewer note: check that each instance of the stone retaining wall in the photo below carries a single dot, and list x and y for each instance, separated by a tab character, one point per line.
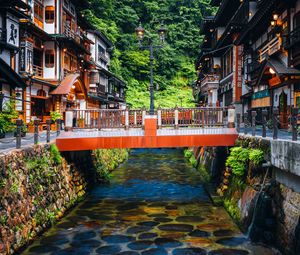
281	194
37	187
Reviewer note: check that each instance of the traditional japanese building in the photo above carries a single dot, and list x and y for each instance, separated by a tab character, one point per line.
271	71
105	87
11	84
219	64
62	59
253	59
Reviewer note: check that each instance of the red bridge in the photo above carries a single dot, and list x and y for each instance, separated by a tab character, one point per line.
180	127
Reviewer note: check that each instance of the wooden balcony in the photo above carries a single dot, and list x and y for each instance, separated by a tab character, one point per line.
270	48
71	34
210	81
38	71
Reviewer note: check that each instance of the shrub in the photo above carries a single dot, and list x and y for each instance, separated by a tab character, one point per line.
55	154
237	160
256	157
8	117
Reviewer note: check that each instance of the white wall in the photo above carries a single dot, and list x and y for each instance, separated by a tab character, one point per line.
49	27
49	73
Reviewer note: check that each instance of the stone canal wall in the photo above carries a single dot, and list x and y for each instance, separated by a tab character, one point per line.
268	212
38	185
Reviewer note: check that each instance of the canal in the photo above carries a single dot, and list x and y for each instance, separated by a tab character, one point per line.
155	205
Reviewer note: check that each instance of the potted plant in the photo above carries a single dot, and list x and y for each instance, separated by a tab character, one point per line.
8	119
81	122
54	116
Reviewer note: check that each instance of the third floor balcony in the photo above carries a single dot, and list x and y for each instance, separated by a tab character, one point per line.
270	48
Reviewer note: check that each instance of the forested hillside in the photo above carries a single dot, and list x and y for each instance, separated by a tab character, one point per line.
174	65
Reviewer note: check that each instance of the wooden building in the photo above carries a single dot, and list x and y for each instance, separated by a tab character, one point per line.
56	57
256	54
11	84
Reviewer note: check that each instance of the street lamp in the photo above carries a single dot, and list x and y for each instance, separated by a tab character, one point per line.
140	32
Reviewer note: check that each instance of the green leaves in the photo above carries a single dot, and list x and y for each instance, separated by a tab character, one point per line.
174	64
237	160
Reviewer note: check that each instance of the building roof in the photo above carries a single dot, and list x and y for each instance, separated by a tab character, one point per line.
66	84
102	36
13	79
280	67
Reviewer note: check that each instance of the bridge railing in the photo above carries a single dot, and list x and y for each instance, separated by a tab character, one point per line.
176	117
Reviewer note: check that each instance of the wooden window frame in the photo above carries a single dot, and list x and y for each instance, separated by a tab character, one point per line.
49	58
49	9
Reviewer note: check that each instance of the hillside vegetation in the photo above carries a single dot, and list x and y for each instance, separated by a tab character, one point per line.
174	64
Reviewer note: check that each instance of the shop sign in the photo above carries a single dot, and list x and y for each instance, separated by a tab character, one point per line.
261	94
12	28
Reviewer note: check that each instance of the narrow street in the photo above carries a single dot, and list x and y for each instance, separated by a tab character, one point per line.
155	204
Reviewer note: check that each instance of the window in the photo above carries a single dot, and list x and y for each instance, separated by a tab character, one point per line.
49	14
38	11
227	63
49	58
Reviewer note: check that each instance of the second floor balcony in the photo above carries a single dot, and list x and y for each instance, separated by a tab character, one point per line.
38	71
210	81
269	49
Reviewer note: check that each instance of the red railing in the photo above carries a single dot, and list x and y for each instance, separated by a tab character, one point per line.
179	117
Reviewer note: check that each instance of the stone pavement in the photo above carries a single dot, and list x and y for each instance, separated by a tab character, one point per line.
9	143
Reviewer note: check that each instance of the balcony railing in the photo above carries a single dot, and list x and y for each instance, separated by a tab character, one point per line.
270	48
71	34
210	79
38	70
102	56
293	38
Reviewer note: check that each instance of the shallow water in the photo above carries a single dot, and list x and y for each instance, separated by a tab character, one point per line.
155	205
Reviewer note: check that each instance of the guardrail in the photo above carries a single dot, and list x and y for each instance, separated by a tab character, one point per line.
36	136
117	118
251	123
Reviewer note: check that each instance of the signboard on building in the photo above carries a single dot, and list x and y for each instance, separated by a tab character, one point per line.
12	28
26	57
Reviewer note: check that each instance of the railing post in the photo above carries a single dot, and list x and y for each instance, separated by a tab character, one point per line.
264	122
127	119
69	120
36	123
134	119
19	124
275	123
176	113
294	124
238	122
48	123
159	117
143	117
253	120
231	114
58	127
246	123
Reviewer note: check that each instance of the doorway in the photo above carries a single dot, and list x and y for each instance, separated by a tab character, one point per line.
283	110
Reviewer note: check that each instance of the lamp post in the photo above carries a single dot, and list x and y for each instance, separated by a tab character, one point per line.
140	32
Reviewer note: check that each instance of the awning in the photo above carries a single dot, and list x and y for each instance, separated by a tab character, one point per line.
12	78
65	86
280	69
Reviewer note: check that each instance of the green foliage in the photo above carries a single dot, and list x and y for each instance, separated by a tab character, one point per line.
55	116
8	117
188	153
256	157
237	160
3	220
107	160
55	154
174	64
231	205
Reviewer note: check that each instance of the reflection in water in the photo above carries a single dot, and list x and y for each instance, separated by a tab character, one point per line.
155	205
